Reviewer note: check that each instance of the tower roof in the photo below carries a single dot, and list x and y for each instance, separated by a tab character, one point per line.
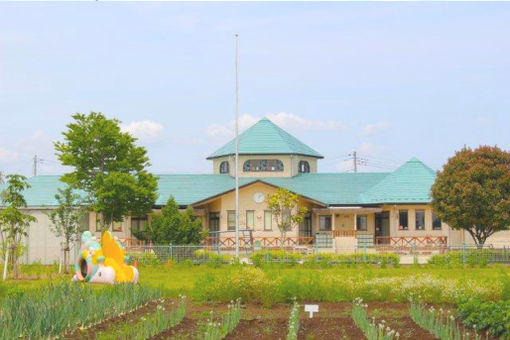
266	138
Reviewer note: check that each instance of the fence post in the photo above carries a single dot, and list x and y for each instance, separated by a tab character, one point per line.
463	254
171	251
364	253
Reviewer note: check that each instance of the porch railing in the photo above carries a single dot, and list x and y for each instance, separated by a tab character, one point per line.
412	241
344	233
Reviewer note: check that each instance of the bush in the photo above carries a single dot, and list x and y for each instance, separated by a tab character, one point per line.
470	257
275	256
327	260
489	315
211	258
145	258
253	284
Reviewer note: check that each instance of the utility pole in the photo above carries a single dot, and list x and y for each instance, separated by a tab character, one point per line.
236	109
34	169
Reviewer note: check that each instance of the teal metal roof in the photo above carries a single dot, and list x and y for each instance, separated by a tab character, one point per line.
408	184
264	138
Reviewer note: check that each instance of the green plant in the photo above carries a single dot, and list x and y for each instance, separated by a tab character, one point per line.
370	329
275	256
219	330
489	315
56	308
470	257
152	324
211	258
293	330
439	323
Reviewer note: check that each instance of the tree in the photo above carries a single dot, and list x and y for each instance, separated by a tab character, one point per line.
108	166
66	220
173	226
472	192
13	222
283	205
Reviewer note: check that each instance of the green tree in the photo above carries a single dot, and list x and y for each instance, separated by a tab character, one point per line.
173	226
283	205
66	220
13	221
108	166
472	192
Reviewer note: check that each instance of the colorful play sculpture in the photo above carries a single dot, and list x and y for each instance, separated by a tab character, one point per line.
103	263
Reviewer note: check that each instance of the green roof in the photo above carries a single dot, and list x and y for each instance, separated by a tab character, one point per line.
408	184
265	138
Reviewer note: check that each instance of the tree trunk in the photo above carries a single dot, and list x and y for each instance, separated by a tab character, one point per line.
15	268
66	260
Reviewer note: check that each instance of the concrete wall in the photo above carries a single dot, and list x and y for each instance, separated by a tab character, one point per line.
290	165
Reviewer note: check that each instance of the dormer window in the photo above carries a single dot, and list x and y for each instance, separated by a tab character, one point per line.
259	165
224	167
304	167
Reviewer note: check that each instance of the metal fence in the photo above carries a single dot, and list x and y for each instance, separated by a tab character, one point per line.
460	254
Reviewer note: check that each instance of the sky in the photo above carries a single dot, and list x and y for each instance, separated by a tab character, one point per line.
391	81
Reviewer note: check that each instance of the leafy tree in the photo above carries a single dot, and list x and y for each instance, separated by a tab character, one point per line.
66	220
284	208
13	221
472	192
108	166
173	226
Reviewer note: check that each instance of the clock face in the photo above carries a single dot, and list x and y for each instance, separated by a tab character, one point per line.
259	197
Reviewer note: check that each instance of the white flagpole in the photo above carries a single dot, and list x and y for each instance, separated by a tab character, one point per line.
236	37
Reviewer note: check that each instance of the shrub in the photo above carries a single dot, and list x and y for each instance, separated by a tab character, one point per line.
480	315
470	257
211	258
275	256
327	260
145	258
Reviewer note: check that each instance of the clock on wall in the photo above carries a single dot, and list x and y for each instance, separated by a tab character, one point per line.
259	197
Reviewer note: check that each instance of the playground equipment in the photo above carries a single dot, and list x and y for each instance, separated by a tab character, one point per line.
103	263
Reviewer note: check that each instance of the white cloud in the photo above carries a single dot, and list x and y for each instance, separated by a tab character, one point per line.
287	121
7	155
371	129
144	130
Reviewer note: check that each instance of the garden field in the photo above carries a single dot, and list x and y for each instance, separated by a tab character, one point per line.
234	301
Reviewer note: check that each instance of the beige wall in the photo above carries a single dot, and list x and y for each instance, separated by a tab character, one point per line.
226	202
290	165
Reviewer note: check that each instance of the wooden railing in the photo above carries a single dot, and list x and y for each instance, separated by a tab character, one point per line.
265	242
412	241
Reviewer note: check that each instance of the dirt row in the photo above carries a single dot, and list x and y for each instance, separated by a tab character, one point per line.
332	321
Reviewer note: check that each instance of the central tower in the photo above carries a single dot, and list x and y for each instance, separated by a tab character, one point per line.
266	150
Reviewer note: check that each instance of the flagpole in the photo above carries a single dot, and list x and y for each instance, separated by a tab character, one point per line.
236	38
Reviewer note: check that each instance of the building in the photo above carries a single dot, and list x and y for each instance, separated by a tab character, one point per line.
345	210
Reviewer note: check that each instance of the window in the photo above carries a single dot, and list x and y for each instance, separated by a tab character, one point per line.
224	167
214	221
117	227
361	222
231	220
303	167
257	165
250	219
436	222
420	219
268	220
324	223
403	223
138	223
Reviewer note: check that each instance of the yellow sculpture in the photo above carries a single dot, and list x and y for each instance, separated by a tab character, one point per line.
103	263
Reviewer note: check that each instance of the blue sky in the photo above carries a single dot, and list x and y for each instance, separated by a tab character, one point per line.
390	80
